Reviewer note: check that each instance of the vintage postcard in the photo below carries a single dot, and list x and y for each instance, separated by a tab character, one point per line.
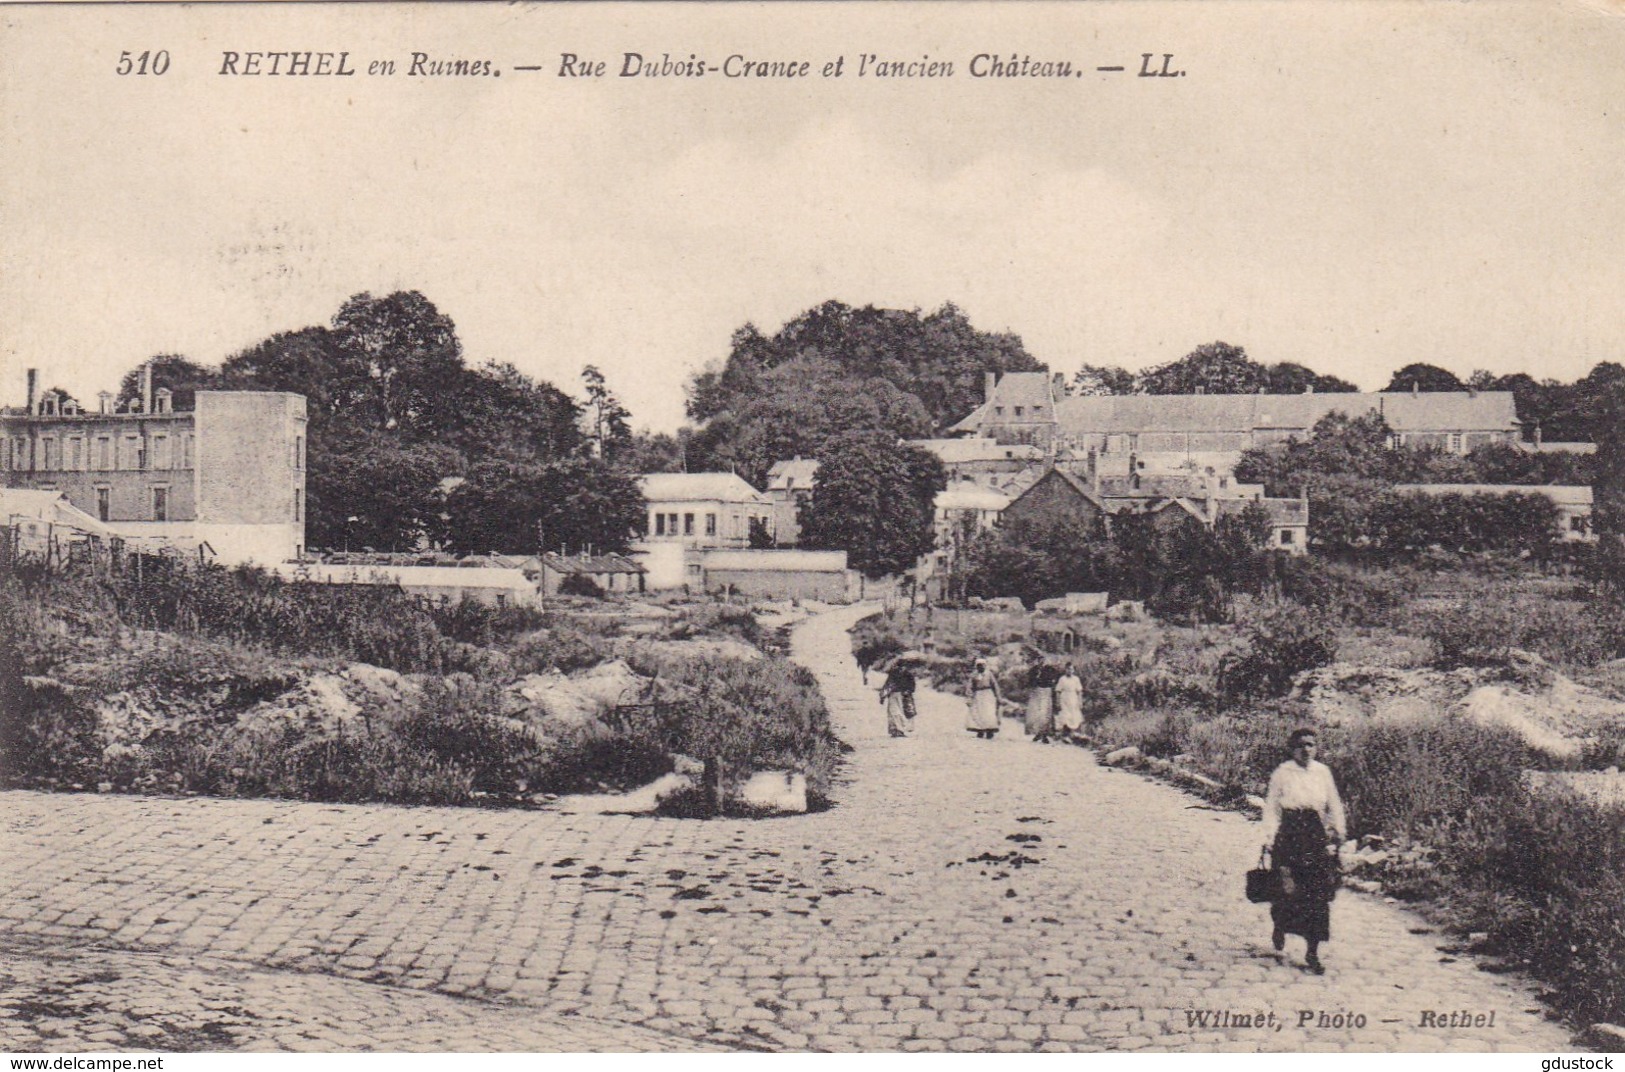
830	527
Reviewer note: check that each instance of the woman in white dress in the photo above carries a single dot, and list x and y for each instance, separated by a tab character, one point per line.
1069	703
983	689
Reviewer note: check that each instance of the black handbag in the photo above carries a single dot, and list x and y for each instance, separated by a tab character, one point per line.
1261	884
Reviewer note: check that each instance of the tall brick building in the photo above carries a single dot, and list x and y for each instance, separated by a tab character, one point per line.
228	474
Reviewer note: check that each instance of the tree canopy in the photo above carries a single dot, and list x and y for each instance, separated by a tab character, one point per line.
875	499
1215	368
1422	377
836	368
396	417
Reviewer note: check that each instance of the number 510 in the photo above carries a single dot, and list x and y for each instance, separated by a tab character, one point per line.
145	63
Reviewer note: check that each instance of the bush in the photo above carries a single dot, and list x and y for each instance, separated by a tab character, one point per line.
579	584
1484	630
1281	642
748	715
1412	777
1353	595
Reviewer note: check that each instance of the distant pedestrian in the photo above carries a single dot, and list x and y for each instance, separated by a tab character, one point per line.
897	694
1069	704
1303	827
1040	722
983	688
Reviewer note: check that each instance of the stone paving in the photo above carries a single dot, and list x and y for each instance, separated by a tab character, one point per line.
963	895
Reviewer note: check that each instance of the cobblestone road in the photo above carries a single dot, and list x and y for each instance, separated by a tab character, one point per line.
964	895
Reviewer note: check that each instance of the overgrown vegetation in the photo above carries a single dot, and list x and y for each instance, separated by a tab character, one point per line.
201	682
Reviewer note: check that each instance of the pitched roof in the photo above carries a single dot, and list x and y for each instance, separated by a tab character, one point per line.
1281	511
968	496
792	473
1066	478
1024	389
51	506
591	564
1404	412
698	487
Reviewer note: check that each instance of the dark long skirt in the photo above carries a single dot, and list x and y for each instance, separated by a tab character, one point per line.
1306	877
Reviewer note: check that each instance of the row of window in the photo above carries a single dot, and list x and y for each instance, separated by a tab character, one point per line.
690	524
106	453
99	453
666	525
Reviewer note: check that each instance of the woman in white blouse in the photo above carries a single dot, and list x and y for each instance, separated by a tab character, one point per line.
1303	827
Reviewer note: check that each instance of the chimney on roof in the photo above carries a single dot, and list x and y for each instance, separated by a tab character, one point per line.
105	399
1537	434
146	387
33	391
1309	388
1058	385
1416	388
1200	389
990	380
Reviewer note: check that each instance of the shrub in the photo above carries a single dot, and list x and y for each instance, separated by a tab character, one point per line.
1281	641
749	715
1485	629
1409	777
1356	596
579	584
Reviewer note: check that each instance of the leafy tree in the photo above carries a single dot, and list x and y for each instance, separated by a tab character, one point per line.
1102	380
1291	378
1610	479
1508	463
410	352
1215	368
799	408
1036	560
760	538
875	498
656	452
394	413
310	362
181	375
503	413
570	505
363	489
1344	467
608	422
1422	377
937	359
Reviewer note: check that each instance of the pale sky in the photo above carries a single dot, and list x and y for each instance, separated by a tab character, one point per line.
1352	186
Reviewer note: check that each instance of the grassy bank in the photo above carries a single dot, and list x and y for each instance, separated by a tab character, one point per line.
233	683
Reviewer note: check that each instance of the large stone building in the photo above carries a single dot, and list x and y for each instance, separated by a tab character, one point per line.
226	477
1164	432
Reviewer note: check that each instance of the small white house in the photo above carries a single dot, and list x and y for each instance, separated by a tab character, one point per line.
702	509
